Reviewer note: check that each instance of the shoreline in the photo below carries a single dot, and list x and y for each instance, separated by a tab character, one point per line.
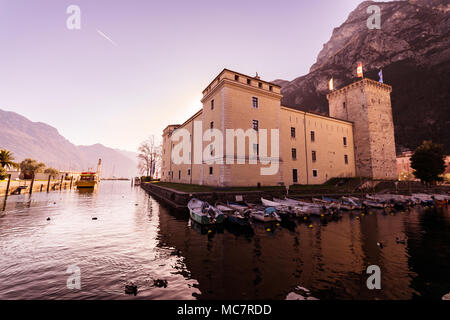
38	186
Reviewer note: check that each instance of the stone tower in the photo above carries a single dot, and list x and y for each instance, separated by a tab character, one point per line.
367	103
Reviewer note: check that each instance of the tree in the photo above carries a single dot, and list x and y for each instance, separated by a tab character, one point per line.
3	173
51	171
428	162
6	159
149	156
29	167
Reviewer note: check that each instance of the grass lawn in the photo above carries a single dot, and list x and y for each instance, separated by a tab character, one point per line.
197	188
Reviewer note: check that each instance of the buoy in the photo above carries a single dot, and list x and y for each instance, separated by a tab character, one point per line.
311	226
357	218
322	215
209	231
278	224
362	214
268	230
305	218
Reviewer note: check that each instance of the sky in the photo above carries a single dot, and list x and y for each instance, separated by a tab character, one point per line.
136	66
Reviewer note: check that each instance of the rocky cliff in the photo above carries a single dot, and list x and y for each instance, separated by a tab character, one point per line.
413	49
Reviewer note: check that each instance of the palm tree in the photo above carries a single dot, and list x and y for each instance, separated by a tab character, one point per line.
6	159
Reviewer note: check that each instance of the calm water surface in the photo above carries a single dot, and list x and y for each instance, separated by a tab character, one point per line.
137	239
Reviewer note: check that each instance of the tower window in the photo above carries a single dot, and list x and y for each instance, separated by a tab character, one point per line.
189	172
344	105
255	102
236	78
210	170
255	125
292	132
346	159
315	173
270	88
314	156
211	125
249	81
294	154
313	136
345	141
179	174
212	104
260	84
294	175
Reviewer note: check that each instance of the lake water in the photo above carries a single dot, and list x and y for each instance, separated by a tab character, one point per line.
137	239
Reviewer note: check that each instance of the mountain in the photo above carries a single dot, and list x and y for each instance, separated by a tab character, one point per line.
413	49
37	140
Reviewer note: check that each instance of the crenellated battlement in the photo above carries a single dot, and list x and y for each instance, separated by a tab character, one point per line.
359	84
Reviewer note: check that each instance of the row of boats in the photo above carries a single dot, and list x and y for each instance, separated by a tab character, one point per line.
286	209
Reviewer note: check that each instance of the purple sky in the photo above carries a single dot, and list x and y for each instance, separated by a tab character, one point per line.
93	91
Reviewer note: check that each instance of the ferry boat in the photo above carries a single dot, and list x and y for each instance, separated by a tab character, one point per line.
90	179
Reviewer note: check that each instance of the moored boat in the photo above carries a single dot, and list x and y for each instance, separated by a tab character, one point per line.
204	213
264	214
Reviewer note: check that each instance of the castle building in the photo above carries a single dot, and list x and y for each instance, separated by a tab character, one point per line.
357	139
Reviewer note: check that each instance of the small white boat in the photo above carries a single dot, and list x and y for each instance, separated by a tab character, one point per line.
374	204
300	208
268	203
264	214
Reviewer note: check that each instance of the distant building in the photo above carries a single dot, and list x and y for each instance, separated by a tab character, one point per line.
404	163
357	139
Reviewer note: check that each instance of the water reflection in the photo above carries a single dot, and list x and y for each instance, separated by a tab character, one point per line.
137	239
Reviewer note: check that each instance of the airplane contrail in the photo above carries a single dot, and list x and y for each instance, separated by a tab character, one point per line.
106	37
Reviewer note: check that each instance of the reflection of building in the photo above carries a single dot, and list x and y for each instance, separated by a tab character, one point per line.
358	138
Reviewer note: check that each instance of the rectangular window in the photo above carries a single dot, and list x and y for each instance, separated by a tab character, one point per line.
313	136
294	175
255	125
270	88
260	85
314	156
189	172
249	81
315	173
211	125
292	132
179	174
345	141
345	105
212	104
255	102
210	170
236	78
346	159
294	154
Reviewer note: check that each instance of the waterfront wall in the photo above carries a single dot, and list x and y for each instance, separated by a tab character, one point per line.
179	200
38	186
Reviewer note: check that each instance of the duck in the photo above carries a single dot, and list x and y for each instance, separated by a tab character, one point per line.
48	219
160	283
131	288
95	218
